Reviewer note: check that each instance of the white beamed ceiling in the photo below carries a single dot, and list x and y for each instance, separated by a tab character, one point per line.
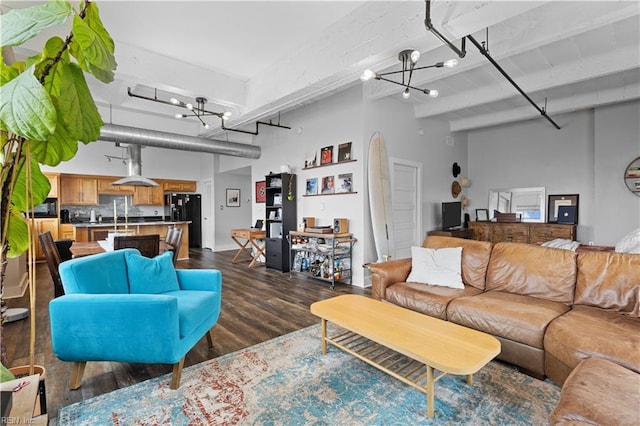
257	59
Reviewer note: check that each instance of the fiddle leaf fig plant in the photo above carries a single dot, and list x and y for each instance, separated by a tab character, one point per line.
46	106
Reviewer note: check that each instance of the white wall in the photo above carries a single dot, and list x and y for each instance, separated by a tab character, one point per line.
331	121
617	143
228	218
586	157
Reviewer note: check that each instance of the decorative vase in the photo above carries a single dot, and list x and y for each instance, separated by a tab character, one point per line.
23	371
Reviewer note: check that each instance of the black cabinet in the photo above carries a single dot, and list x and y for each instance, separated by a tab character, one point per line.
281	200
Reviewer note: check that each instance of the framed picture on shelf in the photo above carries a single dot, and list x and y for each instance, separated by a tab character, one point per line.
261	191
557	201
344	152
345	182
326	155
233	197
482	215
328	185
312	186
311	161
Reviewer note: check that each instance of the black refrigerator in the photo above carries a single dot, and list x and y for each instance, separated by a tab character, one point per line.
186	207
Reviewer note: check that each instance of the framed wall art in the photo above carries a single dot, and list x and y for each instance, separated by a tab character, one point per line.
482	215
261	191
344	152
233	197
554	204
326	155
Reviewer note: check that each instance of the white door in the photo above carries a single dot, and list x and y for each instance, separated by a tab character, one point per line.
406	199
208	234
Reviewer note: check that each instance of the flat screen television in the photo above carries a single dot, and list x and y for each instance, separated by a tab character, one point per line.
451	215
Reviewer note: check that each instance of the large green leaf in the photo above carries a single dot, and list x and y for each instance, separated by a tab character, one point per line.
26	108
59	147
19	25
75	102
92	45
40	184
17	236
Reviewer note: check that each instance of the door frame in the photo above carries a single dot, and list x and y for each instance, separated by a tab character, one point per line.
418	236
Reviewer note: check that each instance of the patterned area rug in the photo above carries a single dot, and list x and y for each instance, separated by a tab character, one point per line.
287	381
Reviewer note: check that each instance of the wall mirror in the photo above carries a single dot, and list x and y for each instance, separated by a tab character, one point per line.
528	203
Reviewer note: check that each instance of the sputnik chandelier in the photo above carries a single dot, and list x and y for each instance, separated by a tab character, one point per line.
409	59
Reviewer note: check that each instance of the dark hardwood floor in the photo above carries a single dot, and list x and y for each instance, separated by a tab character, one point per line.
257	305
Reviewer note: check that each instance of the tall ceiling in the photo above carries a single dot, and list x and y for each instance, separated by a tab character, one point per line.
260	58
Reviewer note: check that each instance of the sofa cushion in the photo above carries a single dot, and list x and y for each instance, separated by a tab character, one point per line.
151	275
439	267
530	270
79	275
194	308
427	299
515	317
609	281
599	392
475	257
592	332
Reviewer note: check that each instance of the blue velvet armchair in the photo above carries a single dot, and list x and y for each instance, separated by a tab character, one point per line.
120	306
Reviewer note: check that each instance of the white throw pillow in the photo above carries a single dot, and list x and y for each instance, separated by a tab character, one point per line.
441	267
630	243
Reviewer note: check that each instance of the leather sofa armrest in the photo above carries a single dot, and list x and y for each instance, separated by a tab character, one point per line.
384	274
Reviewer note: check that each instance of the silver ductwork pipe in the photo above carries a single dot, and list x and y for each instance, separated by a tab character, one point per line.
137	136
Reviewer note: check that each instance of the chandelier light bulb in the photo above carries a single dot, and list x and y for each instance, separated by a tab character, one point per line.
206	126
415	55
367	75
174	101
189	107
406	94
433	93
180	115
227	115
451	63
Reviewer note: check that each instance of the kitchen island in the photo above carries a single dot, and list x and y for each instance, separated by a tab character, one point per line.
85	231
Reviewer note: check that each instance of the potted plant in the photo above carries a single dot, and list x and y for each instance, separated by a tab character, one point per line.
46	108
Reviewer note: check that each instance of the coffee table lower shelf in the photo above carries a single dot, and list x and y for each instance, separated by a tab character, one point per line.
409	371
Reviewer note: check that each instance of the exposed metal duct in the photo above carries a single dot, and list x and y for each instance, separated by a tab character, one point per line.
134	169
137	136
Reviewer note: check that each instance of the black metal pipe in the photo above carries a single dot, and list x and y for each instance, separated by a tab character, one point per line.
429	26
223	127
513	83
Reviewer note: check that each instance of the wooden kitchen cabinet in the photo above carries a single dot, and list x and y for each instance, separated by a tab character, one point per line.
66	231
105	187
80	191
53	180
179	185
148	196
41	226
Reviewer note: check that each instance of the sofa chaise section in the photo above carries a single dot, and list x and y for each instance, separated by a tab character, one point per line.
604	321
527	287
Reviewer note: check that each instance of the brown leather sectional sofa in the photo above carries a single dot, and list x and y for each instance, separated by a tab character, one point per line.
550	308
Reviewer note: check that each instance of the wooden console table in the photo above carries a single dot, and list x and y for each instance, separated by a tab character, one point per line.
458	233
251	237
521	232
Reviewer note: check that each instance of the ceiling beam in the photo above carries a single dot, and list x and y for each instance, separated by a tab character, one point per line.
624	93
609	63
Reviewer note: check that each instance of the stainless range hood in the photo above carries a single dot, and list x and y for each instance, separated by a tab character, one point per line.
134	169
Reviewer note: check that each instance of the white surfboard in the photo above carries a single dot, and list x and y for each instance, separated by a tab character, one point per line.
380	197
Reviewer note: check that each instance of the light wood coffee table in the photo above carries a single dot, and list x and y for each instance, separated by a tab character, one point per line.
405	344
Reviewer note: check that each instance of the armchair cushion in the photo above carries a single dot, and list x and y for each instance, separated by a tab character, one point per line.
81	275
194	308
151	275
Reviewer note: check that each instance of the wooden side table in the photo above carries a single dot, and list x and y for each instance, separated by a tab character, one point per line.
251	237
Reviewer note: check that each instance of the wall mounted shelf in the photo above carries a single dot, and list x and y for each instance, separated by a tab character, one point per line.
328	164
333	193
